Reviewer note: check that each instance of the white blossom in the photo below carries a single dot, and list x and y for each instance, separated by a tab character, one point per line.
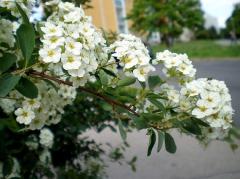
24	115
46	138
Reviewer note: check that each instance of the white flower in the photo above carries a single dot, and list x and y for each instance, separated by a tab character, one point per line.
73	16
129	62
70	61
211	99
142	72
173	96
51	29
31	103
172	62
24	115
73	46
49	55
53	41
67	6
202	110
72	30
77	73
45	157
46	138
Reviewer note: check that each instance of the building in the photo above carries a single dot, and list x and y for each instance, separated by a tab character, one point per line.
110	14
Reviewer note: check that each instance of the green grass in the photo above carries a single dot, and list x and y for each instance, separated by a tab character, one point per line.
203	49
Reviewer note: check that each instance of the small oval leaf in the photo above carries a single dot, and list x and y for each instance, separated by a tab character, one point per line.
170	143
160	140
152	140
26	41
7	83
121	130
6	61
27	88
126	81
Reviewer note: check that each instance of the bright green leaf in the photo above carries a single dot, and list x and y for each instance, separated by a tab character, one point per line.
109	72
158	104
6	61
7	83
152	141
170	143
27	88
26	41
160	140
126	81
121	130
103	78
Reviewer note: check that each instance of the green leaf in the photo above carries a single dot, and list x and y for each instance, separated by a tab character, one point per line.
191	127
6	61
151	95
152	140
160	140
7	83
26	41
109	72
153	81
27	88
170	143
7	166
23	14
158	104
139	122
103	78
126	81
121	130
200	122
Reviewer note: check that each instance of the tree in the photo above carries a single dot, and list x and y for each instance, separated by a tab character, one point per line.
168	17
233	22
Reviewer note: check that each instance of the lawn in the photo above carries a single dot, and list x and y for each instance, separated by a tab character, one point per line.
203	49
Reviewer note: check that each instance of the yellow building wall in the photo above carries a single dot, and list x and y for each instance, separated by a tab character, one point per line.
104	15
129	5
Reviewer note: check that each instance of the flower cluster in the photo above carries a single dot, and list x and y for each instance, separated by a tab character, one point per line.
208	100
133	56
6	32
46	109
176	65
26	5
46	138
70	39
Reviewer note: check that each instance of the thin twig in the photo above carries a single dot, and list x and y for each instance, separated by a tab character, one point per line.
87	90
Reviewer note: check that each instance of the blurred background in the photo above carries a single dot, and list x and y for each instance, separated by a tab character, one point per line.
200	28
208	31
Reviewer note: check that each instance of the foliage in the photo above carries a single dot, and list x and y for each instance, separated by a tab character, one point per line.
61	77
234	20
168	17
203	49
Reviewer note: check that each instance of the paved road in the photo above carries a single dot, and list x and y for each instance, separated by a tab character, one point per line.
192	161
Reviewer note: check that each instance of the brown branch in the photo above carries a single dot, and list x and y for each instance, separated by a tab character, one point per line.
87	90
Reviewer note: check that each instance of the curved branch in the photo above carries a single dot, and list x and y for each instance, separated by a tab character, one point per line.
87	90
